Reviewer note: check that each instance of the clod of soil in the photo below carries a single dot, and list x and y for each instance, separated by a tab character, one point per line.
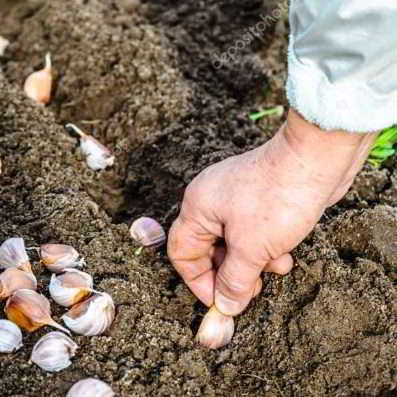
139	76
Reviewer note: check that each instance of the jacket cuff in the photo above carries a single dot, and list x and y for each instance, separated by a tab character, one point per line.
348	105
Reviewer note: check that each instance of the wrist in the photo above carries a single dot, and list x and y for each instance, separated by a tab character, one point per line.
325	153
302	133
322	158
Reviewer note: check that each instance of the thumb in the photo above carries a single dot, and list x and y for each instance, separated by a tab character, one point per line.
235	284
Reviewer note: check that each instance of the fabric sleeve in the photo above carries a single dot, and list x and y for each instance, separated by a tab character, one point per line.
342	63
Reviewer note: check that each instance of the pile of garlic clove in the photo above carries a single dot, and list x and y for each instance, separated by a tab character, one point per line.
90	312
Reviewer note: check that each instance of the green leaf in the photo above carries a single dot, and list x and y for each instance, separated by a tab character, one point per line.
387	136
383	146
382	153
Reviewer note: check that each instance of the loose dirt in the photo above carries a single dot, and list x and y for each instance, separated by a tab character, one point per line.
140	76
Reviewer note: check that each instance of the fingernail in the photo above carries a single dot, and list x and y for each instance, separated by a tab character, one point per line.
227	306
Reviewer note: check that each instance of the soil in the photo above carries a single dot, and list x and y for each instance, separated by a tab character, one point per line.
141	76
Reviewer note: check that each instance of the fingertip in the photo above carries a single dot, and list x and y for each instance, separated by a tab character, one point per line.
282	265
230	306
236	283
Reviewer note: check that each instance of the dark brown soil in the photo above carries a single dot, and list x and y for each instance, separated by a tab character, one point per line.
140	76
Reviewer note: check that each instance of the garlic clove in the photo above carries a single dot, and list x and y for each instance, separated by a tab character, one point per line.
4	43
53	351
216	329
70	287
30	311
90	387
148	232
58	257
13	254
39	84
91	317
10	337
13	279
98	156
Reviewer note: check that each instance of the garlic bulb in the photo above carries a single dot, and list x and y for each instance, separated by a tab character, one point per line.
39	84
30	310
98	156
91	317
53	351
90	387
13	254
58	257
148	232
216	329
13	279
70	287
10	337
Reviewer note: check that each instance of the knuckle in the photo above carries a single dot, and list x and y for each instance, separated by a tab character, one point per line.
192	190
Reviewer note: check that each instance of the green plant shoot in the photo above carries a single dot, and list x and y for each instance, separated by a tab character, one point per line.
383	146
276	111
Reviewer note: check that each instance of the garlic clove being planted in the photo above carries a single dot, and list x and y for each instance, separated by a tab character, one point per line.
216	329
13	254
53	351
30	310
13	279
70	287
90	387
10	337
39	84
91	317
58	257
98	156
147	232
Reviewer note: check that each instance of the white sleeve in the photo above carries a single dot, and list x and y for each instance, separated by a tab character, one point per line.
342	63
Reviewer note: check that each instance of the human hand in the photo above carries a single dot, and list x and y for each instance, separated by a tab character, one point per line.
262	203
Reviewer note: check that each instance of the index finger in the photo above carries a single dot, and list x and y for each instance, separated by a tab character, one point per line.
189	249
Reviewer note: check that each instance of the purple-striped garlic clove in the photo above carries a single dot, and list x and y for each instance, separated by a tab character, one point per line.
148	232
216	329
92	316
53	352
70	287
13	279
90	387
58	257
30	311
13	254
